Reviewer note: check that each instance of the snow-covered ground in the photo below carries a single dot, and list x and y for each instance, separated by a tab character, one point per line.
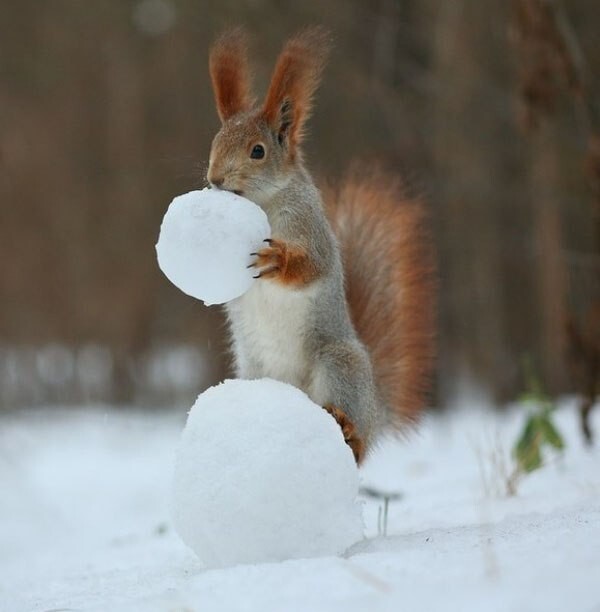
84	524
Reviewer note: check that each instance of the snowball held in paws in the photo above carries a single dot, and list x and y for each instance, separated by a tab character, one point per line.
205	242
263	474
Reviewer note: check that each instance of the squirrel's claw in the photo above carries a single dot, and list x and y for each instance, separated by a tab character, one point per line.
272	271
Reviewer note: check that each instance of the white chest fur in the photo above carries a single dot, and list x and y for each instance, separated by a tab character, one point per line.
269	325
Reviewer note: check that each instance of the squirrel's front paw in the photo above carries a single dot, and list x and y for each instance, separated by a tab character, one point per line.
271	260
349	430
289	264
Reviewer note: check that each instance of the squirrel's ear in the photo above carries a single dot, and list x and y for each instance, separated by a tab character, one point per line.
295	80
230	73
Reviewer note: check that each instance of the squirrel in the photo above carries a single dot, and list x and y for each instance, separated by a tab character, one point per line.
343	305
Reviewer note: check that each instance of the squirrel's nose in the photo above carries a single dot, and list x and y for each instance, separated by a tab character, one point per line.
216	182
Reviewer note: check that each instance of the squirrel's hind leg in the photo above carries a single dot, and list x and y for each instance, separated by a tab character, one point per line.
342	383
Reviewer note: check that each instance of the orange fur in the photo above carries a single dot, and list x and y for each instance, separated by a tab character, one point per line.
295	79
285	263
349	431
230	73
390	286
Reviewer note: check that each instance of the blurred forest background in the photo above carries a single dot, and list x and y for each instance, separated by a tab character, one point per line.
489	108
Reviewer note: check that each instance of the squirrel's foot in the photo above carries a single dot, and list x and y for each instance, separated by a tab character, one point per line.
270	260
286	263
349	430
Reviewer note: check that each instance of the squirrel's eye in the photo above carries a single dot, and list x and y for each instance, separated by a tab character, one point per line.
258	152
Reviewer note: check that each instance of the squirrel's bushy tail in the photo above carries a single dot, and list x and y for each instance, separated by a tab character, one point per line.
390	284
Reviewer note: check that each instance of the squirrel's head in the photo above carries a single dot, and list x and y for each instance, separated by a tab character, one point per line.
258	146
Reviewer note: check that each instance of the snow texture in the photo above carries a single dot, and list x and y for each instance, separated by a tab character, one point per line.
205	242
263	474
84	523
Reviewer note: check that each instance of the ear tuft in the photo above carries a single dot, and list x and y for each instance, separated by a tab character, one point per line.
295	79
230	73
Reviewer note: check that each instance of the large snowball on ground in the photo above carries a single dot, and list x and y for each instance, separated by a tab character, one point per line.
205	242
263	474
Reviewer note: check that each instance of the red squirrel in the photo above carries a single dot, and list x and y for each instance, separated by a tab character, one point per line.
344	303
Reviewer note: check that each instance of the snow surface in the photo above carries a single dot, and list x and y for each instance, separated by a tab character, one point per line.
205	242
263	474
84	524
